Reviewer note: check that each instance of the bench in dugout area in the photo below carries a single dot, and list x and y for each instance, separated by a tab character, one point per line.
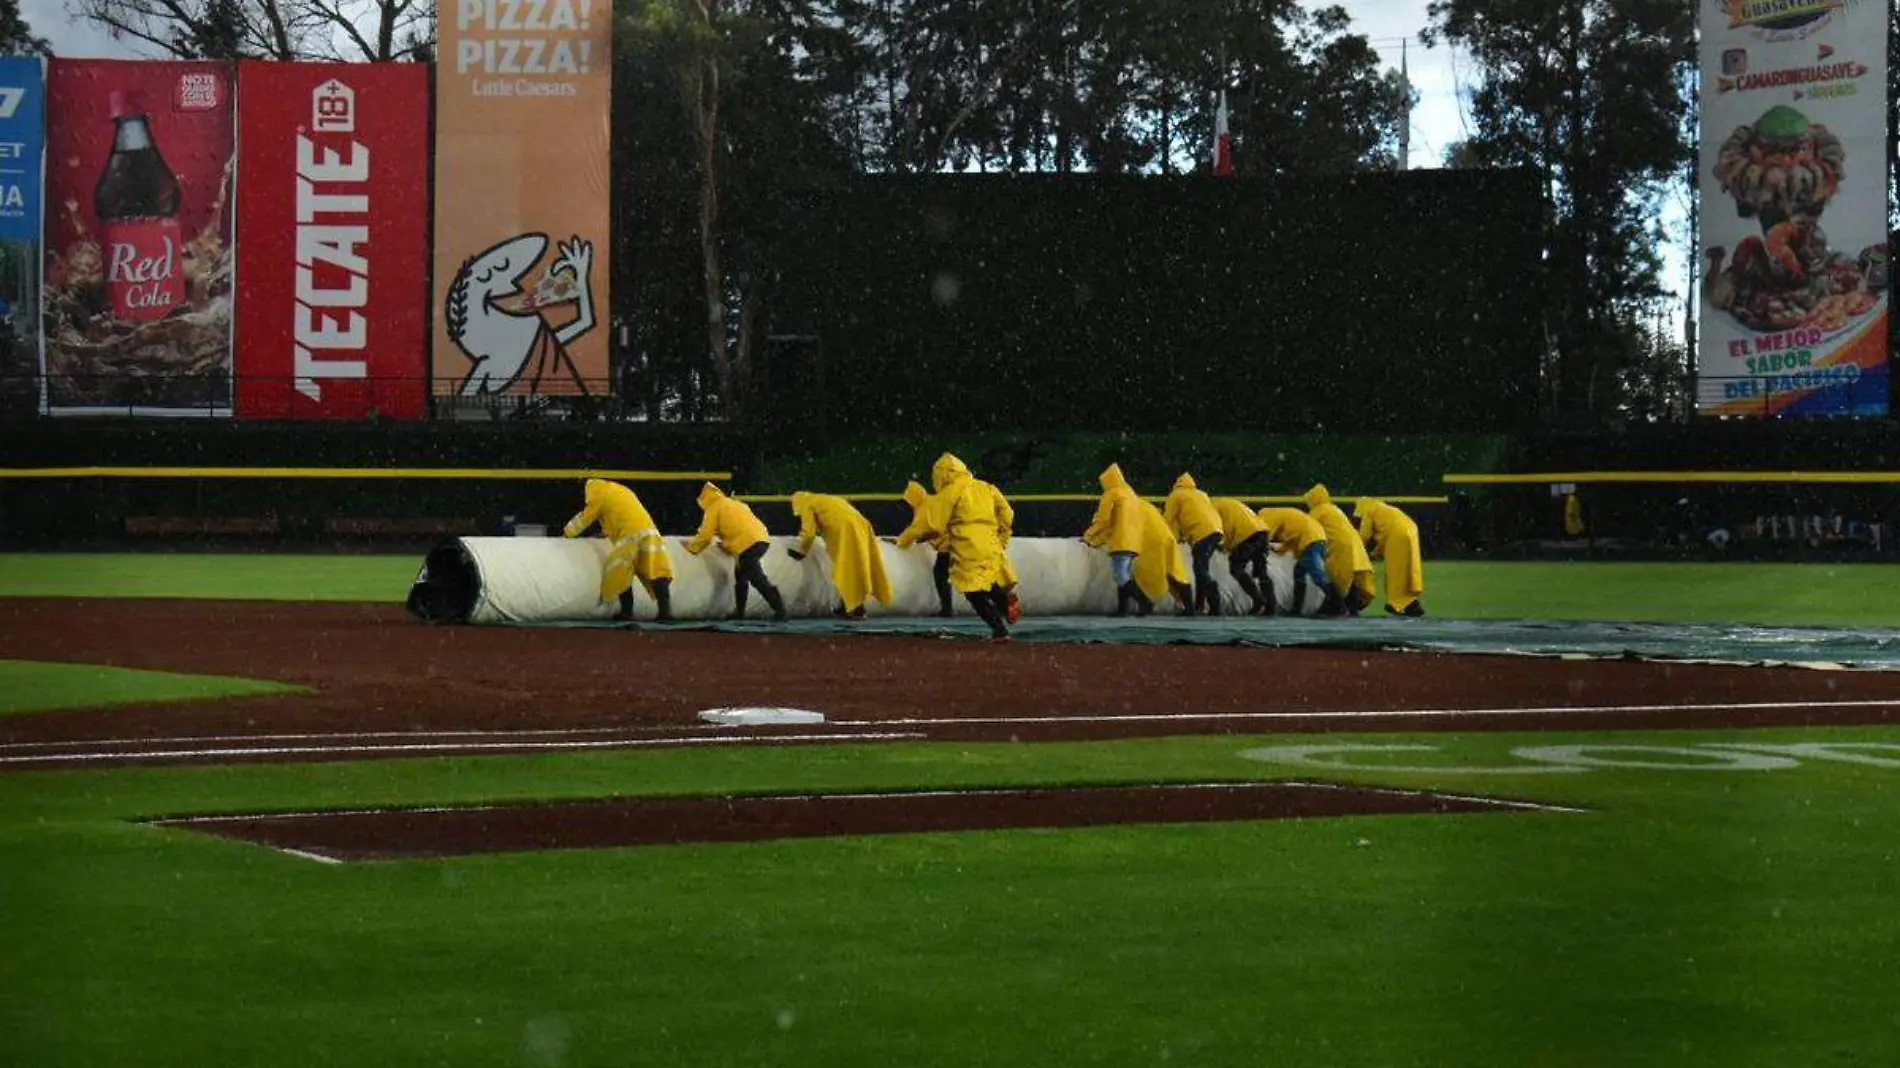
168	524
373	527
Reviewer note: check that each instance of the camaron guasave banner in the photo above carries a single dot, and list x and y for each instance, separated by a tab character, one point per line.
1793	187
333	291
522	196
138	241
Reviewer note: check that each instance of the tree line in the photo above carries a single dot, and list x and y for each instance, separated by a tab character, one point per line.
722	106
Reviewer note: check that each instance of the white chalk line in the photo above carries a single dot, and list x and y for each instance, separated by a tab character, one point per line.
445	747
1369	713
900	795
526	732
1476	799
431	741
860	795
307	855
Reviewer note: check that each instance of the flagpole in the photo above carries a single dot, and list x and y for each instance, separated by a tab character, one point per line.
1405	117
1223	140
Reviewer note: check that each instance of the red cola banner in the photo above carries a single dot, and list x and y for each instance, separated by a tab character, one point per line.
138	237
333	282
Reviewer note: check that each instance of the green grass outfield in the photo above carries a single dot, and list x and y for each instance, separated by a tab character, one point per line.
1864	595
1691	918
29	686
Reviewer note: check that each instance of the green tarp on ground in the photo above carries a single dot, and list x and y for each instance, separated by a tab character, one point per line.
1804	646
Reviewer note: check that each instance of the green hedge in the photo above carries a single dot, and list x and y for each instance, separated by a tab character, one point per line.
1232	463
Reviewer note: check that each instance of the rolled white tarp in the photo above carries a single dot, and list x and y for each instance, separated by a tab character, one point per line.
554	580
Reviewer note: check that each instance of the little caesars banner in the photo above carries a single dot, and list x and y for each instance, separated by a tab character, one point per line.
1794	208
522	97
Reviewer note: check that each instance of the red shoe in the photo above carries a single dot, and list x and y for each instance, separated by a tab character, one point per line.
999	639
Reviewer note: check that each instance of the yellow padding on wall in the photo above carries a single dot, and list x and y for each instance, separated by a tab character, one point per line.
1091	498
1868	477
518	473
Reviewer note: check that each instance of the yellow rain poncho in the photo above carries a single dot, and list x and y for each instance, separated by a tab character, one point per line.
1117	523
1190	513
1124	523
1391	534
1573	516
1159	568
638	551
729	521
1005	515
1346	561
857	564
1292	529
962	517
917	497
1237	523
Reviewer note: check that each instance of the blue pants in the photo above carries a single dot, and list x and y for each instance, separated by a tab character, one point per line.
1311	567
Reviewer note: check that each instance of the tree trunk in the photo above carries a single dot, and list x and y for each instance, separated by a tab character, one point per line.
706	125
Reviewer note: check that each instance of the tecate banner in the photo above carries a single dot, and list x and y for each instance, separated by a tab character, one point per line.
521	212
1793	186
333	262
139	259
22	162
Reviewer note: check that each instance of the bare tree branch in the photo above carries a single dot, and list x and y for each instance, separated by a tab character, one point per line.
347	30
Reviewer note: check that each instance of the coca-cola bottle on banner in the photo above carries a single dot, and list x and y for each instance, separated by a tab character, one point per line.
136	202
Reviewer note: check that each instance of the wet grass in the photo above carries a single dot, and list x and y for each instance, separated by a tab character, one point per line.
1838	595
32	686
1692	917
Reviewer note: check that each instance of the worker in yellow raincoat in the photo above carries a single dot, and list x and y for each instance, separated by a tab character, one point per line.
1390	534
962	517
1346	561
1244	540
1192	518
1299	535
1142	555
917	496
637	550
857	563
743	537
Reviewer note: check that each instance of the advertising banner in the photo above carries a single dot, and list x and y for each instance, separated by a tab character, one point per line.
333	262
1793	192
522	212
22	160
139	261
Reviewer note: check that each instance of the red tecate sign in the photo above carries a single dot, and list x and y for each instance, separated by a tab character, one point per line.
333	285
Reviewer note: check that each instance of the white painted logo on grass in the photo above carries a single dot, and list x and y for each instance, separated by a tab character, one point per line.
759	717
1547	759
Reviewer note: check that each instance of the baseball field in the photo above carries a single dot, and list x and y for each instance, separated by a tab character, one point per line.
252	813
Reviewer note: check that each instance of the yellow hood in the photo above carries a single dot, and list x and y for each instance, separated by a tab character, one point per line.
709	496
1113	479
946	470
1317	496
799	501
915	495
595	487
1185	482
1365	506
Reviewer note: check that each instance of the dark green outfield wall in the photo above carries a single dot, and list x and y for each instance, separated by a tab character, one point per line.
96	511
